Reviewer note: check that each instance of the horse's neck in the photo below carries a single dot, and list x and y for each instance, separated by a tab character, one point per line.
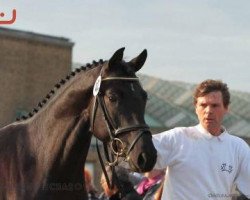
60	131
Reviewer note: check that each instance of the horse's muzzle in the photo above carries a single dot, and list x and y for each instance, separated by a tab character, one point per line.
144	158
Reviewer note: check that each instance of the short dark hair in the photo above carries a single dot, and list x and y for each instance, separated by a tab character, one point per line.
210	85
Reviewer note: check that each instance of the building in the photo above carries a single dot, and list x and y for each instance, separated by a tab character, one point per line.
30	65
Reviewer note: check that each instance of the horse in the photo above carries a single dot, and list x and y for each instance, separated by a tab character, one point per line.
43	154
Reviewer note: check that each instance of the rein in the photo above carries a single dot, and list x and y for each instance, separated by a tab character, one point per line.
114	132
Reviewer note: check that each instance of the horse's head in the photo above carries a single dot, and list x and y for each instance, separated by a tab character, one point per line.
118	112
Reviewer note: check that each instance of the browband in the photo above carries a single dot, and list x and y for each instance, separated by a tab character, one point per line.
120	78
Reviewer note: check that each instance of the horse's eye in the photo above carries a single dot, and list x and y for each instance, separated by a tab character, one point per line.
112	98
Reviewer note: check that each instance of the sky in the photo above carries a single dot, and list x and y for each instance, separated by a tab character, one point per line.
187	40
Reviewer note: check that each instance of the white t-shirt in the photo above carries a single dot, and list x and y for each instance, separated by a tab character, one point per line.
201	166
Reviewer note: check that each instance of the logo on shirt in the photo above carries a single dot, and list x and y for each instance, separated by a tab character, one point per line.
226	168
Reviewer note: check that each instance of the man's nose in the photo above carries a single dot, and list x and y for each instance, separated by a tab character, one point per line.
208	109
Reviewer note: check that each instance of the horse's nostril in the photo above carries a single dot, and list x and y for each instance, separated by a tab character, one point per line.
142	160
146	161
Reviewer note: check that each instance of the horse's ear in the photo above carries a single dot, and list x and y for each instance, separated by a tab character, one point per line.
116	58
139	61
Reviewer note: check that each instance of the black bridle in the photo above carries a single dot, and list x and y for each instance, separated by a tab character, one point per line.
114	133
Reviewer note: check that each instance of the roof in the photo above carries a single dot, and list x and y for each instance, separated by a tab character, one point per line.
61	41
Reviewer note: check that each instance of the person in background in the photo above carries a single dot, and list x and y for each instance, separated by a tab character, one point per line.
128	193
150	184
91	190
204	161
108	193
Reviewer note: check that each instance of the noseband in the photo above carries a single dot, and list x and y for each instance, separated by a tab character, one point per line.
113	129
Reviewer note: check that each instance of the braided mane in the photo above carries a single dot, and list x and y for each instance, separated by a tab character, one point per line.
58	85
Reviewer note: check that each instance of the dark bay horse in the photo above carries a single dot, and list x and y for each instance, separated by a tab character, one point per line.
42	156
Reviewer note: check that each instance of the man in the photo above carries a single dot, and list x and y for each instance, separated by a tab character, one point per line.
204	161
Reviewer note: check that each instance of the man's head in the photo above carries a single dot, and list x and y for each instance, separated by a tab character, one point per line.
210	85
211	100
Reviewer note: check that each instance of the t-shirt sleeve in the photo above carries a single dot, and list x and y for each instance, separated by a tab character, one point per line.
243	178
165	144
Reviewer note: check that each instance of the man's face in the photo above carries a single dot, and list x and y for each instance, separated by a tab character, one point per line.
210	111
